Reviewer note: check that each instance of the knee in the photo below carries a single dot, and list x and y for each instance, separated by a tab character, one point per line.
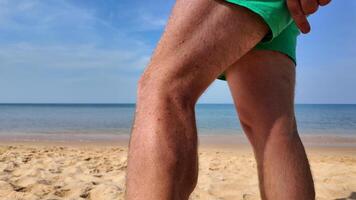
167	90
263	127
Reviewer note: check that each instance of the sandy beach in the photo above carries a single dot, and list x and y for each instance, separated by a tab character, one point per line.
96	171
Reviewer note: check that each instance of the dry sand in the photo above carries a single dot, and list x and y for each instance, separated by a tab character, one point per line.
55	171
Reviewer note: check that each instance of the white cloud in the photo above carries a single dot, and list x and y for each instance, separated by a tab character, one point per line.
70	56
56	34
150	22
58	51
143	19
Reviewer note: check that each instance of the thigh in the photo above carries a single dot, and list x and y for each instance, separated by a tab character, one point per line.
202	38
262	85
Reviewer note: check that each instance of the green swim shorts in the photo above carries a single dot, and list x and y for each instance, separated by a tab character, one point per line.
283	31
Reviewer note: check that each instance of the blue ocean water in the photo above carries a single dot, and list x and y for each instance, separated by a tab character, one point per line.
117	118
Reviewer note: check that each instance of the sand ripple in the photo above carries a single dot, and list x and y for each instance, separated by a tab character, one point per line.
98	173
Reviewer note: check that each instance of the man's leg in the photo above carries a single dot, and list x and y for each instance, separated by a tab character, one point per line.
262	84
201	39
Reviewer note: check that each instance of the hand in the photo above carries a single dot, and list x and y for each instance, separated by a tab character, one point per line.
300	9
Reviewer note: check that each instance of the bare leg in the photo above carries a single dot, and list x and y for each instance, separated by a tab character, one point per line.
201	39
262	84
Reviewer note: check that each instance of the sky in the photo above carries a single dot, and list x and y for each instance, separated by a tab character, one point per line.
91	51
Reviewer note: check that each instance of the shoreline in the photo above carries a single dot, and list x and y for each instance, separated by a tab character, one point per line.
205	141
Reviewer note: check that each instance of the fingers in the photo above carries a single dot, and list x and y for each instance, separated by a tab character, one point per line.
324	2
300	18
300	9
309	6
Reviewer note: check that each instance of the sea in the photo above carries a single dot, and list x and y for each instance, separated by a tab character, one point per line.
116	119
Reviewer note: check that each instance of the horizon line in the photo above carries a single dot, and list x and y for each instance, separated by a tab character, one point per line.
105	103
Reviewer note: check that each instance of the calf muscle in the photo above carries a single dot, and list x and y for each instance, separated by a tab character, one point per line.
202	38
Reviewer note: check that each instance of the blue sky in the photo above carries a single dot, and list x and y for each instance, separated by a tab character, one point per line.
86	51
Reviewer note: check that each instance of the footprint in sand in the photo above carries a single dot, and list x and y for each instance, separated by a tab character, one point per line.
105	192
248	197
61	192
5	189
